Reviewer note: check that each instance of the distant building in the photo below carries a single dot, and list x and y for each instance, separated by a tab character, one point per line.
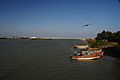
33	37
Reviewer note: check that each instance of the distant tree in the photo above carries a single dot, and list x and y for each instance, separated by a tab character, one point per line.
109	36
105	35
118	37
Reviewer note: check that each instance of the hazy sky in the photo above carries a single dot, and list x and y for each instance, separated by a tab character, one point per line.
58	18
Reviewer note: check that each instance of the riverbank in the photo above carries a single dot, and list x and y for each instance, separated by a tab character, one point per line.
109	48
101	43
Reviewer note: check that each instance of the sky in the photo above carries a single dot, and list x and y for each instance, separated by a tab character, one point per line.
59	18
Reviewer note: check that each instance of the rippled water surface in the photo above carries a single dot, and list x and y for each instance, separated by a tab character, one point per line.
50	60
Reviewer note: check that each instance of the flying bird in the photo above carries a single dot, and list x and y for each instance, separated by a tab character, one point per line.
86	25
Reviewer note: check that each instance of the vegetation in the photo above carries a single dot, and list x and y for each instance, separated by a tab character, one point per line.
109	38
102	44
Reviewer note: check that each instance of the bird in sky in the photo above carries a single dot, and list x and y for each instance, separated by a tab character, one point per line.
86	25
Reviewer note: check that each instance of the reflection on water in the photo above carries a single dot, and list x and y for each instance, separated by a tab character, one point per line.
49	60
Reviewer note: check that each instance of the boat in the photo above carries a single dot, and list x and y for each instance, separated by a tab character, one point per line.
81	46
95	49
85	58
87	54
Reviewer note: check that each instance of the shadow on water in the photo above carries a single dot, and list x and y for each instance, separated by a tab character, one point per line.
112	51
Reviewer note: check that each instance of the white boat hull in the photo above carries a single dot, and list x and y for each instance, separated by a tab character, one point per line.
81	46
86	58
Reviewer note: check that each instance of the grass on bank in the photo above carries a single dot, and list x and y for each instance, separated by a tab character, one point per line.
102	43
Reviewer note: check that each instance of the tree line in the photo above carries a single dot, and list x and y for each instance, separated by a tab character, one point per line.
109	36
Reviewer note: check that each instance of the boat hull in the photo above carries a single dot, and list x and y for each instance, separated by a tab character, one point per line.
85	58
81	46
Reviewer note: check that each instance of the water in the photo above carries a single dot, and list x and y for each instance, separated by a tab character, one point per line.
49	60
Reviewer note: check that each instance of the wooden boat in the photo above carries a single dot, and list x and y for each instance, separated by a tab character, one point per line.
81	46
85	58
94	49
86	55
97	50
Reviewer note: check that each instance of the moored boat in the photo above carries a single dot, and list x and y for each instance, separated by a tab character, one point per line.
85	58
87	54
81	46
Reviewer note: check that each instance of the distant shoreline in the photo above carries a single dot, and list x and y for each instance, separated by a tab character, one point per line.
41	39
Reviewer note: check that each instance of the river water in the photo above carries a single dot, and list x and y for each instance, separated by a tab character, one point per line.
50	60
